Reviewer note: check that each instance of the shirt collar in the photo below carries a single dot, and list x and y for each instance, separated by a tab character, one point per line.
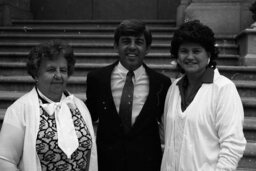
137	73
206	78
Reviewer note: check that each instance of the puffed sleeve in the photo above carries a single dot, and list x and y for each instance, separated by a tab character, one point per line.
11	140
229	123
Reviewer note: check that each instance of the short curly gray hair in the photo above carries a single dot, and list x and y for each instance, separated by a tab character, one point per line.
50	50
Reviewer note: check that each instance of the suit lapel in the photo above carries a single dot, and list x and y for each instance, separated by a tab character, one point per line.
106	83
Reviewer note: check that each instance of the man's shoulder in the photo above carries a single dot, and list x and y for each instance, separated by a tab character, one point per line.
159	76
102	71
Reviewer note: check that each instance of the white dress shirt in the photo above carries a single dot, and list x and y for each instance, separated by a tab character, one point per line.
141	88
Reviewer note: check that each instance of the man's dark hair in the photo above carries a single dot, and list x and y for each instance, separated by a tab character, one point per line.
133	28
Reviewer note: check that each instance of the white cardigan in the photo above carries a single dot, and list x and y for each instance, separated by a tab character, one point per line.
20	128
208	135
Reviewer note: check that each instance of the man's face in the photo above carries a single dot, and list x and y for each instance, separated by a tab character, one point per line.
132	50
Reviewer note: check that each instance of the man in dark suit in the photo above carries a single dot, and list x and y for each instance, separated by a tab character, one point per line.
132	146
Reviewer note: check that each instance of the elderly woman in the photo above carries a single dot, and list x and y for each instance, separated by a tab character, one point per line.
48	128
203	115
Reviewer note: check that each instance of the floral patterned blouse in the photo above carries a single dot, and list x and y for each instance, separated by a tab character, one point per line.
51	157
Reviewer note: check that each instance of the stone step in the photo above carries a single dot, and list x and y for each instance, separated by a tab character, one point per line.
77	30
165	32
249	104
76	84
250	128
97	38
154	58
72	38
225	44
249	159
107	48
246	88
88	23
245	169
81	69
89	42
8	97
238	72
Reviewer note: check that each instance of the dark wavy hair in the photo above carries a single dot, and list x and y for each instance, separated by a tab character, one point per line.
252	8
133	28
196	32
50	50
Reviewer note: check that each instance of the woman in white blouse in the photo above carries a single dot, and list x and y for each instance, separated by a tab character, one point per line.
203	116
48	128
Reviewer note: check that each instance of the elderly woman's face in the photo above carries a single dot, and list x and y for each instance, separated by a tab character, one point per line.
193	58
52	77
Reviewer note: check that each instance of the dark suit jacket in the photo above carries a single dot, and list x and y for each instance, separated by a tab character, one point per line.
140	149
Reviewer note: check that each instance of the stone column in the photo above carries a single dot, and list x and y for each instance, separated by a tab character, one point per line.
247	43
223	16
14	9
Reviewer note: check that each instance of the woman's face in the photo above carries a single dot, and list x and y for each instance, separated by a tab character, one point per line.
52	77
193	58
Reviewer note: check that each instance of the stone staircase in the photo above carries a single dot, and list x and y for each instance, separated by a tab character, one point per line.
93	45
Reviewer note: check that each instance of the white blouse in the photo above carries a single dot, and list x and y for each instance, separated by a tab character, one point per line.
19	132
208	135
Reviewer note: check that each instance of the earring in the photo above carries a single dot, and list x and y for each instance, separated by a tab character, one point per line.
209	60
